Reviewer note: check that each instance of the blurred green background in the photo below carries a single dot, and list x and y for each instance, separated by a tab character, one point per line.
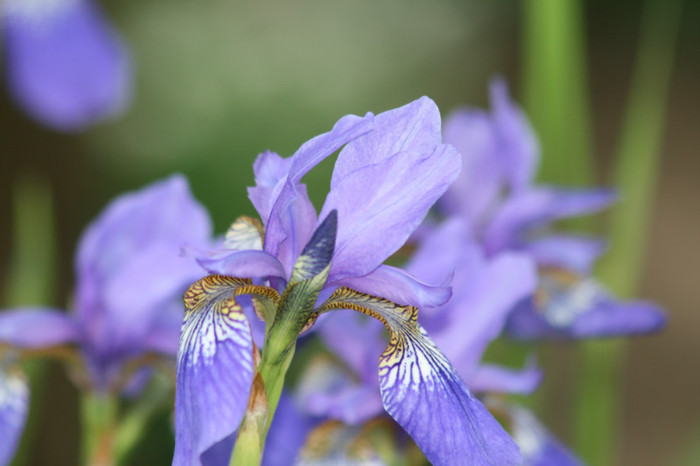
217	82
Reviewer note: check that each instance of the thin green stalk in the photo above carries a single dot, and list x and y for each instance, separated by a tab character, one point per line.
556	90
98	416
636	168
31	281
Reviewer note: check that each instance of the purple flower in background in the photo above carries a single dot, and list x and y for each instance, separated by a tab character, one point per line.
14	404
506	211
129	282
391	170
484	293
64	64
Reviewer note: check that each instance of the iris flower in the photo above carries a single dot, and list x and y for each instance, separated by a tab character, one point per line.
130	278
506	211
392	168
65	65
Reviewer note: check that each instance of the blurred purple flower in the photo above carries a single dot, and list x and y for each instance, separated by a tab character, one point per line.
65	65
14	404
129	282
506	211
390	172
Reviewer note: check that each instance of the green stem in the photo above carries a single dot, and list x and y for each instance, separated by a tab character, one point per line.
31	281
556	90
98	415
598	417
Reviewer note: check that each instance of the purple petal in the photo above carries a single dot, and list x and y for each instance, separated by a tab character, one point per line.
478	311
397	285
424	394
490	378
518	146
65	65
37	328
574	253
537	207
14	406
356	340
287	433
328	390
292	217
538	446
214	368
612	318
479	184
270	172
380	205
415	127
248	264
604	318
443	249
128	261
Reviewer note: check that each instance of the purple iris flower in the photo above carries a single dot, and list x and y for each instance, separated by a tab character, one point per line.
65	65
129	282
391	170
507	211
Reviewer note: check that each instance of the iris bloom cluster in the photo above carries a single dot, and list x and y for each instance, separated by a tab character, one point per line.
297	266
127	302
65	65
403	366
511	274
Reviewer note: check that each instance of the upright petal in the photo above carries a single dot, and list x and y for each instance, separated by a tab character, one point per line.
480	182
37	328
380	205
292	218
423	393
65	65
214	368
518	147
415	127
14	405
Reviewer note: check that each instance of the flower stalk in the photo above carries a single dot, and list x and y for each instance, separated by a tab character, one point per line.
99	414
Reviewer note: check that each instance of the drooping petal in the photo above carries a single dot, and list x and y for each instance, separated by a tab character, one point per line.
380	205
497	379
576	253
612	318
423	393
539	206
65	65
14	406
568	306
214	368
538	446
399	286
334	443
415	127
33	328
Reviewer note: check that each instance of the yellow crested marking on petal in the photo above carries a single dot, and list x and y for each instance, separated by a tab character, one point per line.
245	233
